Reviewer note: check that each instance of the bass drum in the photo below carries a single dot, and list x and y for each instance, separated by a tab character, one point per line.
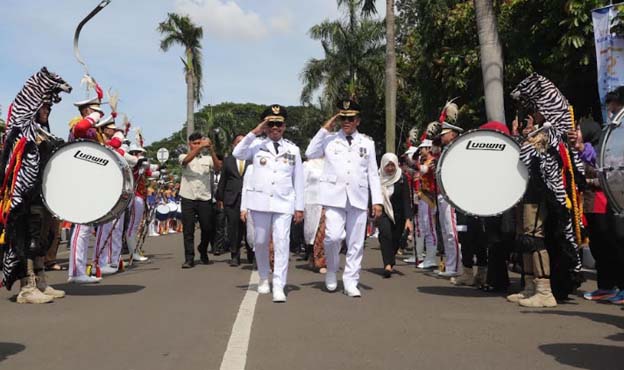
480	173
611	161
86	183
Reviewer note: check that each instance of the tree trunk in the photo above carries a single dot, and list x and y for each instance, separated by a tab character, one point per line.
190	103
391	79
491	60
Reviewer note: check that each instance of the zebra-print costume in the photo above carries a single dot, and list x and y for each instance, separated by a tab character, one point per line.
42	87
537	93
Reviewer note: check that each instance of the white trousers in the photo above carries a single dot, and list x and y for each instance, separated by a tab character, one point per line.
78	248
349	222
448	224
427	227
135	212
110	250
276	227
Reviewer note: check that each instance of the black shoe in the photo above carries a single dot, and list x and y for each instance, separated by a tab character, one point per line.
387	274
188	265
234	262
204	260
217	253
250	257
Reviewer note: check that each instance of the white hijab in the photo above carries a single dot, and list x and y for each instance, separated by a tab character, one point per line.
388	181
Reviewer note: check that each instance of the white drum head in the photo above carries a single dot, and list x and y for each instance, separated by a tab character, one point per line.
82	182
162	209
481	174
612	160
173	206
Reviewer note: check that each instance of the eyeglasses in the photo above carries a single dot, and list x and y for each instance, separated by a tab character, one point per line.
275	124
348	119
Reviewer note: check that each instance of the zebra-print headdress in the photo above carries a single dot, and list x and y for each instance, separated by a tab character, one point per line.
538	94
44	87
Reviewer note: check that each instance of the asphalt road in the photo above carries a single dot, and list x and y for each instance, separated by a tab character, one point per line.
158	316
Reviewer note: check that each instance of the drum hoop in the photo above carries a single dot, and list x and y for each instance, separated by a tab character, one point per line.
440	183
121	163
602	175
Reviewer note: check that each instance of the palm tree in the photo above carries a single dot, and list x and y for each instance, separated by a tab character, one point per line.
391	78
353	60
368	8
491	60
178	29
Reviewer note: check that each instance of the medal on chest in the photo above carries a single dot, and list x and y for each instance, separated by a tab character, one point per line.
362	152
263	161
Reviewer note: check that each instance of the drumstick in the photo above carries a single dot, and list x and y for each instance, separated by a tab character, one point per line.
546	126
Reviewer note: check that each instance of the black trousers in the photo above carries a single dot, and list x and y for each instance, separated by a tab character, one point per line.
219	236
389	238
474	242
235	230
606	248
203	211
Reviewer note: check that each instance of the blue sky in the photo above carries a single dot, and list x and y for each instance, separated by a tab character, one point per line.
253	51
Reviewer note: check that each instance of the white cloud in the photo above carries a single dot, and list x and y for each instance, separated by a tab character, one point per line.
224	19
282	23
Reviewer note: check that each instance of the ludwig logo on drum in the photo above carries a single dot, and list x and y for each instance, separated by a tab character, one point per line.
474	145
91	158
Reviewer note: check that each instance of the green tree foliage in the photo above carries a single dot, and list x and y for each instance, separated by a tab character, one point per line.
438	54
353	64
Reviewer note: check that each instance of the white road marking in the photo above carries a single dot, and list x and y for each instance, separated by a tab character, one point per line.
235	356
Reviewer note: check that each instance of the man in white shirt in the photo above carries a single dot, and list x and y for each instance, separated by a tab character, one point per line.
349	172
273	196
196	196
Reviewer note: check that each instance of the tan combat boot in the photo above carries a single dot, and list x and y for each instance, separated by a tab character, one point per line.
543	296
466	279
30	294
529	290
42	284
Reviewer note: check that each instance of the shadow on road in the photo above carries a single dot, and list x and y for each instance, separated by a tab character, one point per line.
452	291
10	349
602	318
98	290
380	271
585	356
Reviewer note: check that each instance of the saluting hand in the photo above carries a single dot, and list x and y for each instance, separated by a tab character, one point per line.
260	128
330	123
298	217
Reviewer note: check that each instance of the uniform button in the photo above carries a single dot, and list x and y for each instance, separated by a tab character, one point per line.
347	184
271	195
273	183
274	171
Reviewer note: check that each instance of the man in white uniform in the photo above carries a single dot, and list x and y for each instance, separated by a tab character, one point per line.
350	172
273	196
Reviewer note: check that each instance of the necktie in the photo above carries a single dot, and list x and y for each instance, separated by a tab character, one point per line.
241	167
349	139
276	145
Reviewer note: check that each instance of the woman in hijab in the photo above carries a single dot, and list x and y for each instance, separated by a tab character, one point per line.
396	221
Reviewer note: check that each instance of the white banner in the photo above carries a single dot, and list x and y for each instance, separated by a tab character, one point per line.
609	51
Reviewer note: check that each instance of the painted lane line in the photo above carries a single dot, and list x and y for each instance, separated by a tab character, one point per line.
235	356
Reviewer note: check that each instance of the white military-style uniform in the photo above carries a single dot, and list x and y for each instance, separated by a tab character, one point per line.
349	173
272	195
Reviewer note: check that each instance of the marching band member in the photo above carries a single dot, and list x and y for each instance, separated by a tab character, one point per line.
276	195
427	210
83	127
446	212
349	173
109	237
136	208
